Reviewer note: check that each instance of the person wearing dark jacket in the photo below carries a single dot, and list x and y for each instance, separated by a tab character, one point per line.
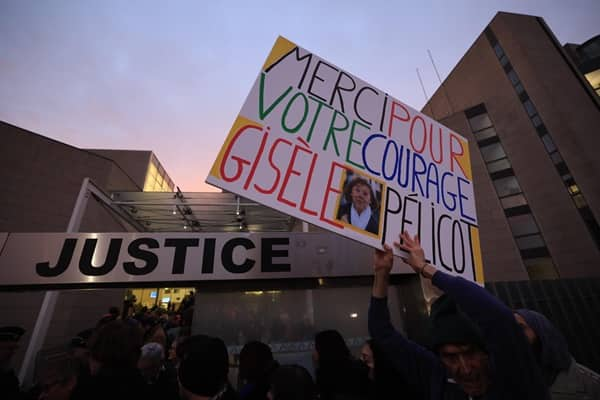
256	366
203	370
292	382
479	350
386	383
338	375
562	374
114	352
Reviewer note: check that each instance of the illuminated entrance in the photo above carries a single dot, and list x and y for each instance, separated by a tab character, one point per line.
169	299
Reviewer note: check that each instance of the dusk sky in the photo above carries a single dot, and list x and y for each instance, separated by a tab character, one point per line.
171	76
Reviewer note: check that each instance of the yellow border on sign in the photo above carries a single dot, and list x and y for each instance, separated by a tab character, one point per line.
477	259
465	159
281	47
239	122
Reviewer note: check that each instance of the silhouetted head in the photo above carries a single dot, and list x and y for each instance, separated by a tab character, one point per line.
460	346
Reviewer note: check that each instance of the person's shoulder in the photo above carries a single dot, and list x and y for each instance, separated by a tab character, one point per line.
344	209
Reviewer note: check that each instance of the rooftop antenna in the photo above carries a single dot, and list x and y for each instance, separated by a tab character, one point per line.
441	83
422	86
434	67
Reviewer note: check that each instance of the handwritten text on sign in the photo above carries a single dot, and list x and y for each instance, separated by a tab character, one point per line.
317	143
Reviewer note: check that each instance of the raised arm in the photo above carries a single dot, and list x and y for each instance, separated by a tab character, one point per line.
414	362
515	366
480	305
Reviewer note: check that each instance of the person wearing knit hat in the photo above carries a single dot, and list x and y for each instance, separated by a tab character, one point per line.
203	369
450	325
479	351
563	375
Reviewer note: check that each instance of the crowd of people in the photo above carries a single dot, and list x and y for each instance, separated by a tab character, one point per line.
480	349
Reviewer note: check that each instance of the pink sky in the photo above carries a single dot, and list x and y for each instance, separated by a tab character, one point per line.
171	76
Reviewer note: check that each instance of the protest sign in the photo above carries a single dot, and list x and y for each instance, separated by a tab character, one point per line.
320	144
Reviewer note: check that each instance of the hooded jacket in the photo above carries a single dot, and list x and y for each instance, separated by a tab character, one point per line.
565	378
514	371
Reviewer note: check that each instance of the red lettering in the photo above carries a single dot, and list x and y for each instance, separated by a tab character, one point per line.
411	134
290	171
275	168
257	160
441	154
240	161
306	188
323	217
394	116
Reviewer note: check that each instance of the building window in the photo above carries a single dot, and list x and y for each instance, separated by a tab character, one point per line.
485	134
492	152
560	165
524	228
498	165
556	158
513	201
537	121
593	78
498	50
548	144
540	268
530	108
512	75
480	122
519	88
530	242
157	179
507	186
523	225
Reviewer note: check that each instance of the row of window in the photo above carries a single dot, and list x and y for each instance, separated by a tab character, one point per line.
546	139
524	228
593	78
157	179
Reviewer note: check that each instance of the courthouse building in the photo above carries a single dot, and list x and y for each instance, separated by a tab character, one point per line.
531	112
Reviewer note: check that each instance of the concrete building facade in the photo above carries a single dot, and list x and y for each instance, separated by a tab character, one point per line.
532	121
42	179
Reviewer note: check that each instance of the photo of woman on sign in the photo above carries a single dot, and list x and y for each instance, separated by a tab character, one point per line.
360	207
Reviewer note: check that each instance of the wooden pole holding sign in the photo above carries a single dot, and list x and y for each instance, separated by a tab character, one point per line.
318	143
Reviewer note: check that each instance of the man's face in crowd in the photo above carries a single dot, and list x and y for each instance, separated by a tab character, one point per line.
468	366
366	355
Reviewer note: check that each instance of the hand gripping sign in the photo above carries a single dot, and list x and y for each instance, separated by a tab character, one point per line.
318	143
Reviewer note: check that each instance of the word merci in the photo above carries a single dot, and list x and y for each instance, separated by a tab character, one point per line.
312	105
147	253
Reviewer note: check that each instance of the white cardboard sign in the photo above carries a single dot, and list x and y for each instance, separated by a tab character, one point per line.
320	144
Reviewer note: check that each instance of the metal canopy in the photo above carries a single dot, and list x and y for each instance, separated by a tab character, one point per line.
199	212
